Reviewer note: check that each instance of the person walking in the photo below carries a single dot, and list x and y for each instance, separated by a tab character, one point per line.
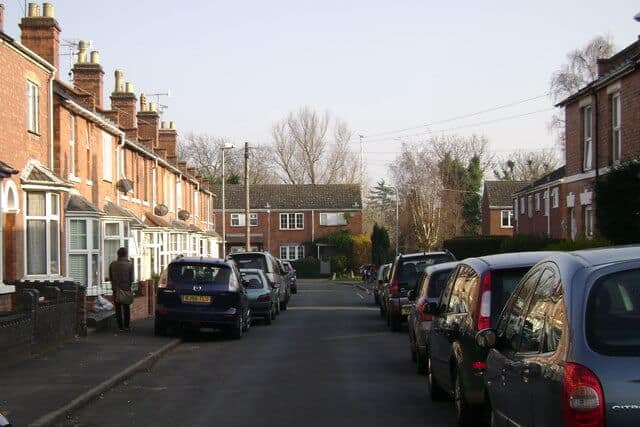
121	275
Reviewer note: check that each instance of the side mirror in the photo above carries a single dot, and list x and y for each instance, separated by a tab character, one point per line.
411	295
486	338
431	308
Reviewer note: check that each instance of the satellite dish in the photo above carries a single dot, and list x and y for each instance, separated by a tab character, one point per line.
637	17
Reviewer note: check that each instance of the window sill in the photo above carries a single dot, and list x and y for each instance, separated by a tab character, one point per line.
506	226
145	203
89	183
110	181
6	289
137	201
74	178
34	133
124	197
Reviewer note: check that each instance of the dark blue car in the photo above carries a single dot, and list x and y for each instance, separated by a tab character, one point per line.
202	293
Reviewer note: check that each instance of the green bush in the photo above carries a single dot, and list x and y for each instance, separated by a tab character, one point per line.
339	264
527	242
465	247
569	245
308	267
617	196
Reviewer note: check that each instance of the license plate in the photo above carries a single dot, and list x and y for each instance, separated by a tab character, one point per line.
198	299
405	310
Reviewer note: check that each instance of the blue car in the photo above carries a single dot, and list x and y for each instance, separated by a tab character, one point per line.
202	293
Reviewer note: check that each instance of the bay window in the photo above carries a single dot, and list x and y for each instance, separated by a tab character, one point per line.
43	234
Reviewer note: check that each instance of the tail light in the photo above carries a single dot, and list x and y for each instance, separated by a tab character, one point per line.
484	313
264	298
162	282
583	400
479	365
394	287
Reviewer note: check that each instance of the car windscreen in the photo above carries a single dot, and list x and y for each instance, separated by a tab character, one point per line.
410	269
437	282
253	281
613	314
202	274
503	282
286	267
251	261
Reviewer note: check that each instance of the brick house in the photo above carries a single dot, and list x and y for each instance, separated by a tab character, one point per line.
602	130
285	217
497	207
80	179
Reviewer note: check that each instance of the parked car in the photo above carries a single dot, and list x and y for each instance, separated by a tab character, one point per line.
292	276
566	349
4	422
403	278
428	291
472	300
263	299
271	267
202	293
382	275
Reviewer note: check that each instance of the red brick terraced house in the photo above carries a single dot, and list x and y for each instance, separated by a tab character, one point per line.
602	130
80	179
285	217
497	207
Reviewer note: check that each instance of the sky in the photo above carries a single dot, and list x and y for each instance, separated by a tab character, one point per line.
235	68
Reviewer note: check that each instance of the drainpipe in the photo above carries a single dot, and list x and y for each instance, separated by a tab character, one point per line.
118	165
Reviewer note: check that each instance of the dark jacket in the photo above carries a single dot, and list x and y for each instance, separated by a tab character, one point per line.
121	274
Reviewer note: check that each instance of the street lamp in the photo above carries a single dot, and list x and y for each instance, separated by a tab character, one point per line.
226	146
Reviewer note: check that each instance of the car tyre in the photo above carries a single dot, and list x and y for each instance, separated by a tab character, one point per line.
436	393
247	323
236	331
268	319
421	363
465	414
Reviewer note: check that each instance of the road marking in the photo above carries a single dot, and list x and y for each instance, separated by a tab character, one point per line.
348	337
358	293
332	308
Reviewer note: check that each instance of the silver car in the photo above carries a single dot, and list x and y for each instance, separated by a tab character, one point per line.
566	349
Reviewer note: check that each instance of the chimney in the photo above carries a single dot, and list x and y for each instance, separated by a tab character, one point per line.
148	123
41	33
123	102
1	18
88	75
167	139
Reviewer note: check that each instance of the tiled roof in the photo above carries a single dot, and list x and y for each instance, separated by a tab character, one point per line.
155	221
287	196
550	177
77	203
111	209
499	193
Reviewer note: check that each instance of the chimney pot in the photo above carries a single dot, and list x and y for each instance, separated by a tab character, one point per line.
48	10
1	18
172	125
38	13
33	10
82	51
119	74
95	57
163	125
143	102
128	87
152	107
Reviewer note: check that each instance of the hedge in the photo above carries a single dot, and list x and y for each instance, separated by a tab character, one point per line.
527	242
466	247
308	267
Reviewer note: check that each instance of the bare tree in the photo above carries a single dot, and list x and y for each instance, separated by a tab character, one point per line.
314	149
580	69
527	165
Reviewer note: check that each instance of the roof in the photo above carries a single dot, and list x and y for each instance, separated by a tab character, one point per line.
191	259
420	254
619	64
34	173
77	203
511	260
155	221
552	176
500	193
441	267
111	209
602	256
289	196
6	170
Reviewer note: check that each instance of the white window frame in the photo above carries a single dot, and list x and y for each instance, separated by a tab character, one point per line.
530	206
538	202
547	202
238	220
49	217
555	196
588	222
107	157
33	107
510	217
123	241
616	128
291	251
587	141
89	251
333	219
522	210
292	221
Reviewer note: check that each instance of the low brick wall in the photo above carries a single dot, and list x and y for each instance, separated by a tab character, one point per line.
5	302
144	302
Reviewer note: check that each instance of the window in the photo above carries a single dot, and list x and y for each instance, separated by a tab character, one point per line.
333	218
530	206
536	314
196	204
291	221
238	220
506	219
84	248
547	203
33	96
43	234
537	202
107	157
588	222
616	121
72	145
179	193
555	197
292	252
116	236
587	143
522	211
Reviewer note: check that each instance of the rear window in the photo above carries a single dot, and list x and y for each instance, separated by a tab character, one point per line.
251	261
503	282
409	269
613	314
437	283
253	281
202	274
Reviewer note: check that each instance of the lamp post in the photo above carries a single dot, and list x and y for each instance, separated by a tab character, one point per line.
225	147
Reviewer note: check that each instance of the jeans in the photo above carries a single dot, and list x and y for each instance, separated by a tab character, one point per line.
123	315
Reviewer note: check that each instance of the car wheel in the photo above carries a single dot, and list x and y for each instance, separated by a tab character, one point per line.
436	393
247	322
268	319
159	329
463	410
236	331
421	362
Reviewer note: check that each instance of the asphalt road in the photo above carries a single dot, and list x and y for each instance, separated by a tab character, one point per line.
327	361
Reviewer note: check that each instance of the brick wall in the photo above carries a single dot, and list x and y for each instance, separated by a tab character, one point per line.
554	225
5	302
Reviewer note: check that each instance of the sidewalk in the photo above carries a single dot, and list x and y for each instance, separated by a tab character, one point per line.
35	387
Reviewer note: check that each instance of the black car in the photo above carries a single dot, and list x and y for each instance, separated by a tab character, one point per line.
202	293
404	276
474	296
271	267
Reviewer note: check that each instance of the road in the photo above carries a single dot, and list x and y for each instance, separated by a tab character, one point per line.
327	361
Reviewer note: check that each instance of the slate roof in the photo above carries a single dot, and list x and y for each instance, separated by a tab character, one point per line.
155	221
77	203
6	170
499	193
111	209
550	177
288	196
38	174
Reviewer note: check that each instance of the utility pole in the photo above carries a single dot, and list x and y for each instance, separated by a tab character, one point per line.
247	220
224	214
